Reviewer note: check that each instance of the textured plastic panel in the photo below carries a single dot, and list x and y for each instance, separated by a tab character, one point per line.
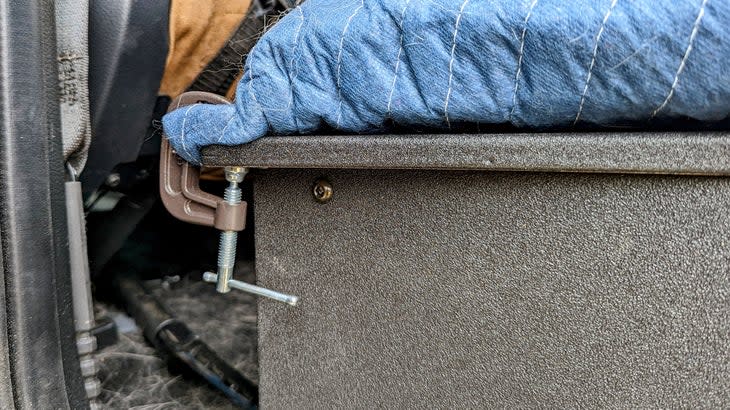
127	47
39	367
453	289
647	152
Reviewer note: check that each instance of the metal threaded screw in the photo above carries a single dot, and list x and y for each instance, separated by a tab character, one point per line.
228	239
322	191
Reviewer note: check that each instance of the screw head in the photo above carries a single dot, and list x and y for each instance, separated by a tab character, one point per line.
322	191
235	174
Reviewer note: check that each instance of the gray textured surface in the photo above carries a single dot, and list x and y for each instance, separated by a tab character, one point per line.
134	376
645	152
481	290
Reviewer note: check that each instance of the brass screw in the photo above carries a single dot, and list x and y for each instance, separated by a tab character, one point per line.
322	191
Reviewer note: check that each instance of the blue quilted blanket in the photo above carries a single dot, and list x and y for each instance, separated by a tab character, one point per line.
356	65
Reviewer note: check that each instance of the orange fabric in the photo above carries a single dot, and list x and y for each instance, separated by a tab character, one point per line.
198	30
231	94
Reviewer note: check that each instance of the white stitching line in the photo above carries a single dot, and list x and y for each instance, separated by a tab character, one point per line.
294	55
250	79
182	135
223	133
593	60
397	60
451	63
687	52
296	37
519	60
339	60
636	52
291	64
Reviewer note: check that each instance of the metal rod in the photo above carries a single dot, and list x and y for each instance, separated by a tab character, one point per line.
256	290
82	305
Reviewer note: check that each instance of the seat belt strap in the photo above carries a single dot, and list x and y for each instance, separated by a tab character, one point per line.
220	73
72	35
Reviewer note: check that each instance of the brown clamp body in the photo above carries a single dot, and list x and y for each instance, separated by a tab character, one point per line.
180	182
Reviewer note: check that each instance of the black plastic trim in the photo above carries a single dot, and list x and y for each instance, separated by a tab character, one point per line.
651	152
128	44
40	364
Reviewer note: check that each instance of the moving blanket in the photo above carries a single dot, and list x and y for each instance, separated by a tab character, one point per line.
356	65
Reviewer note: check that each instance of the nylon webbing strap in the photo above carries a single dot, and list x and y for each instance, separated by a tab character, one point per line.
72	34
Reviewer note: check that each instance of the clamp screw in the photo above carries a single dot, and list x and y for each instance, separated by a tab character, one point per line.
228	239
227	250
